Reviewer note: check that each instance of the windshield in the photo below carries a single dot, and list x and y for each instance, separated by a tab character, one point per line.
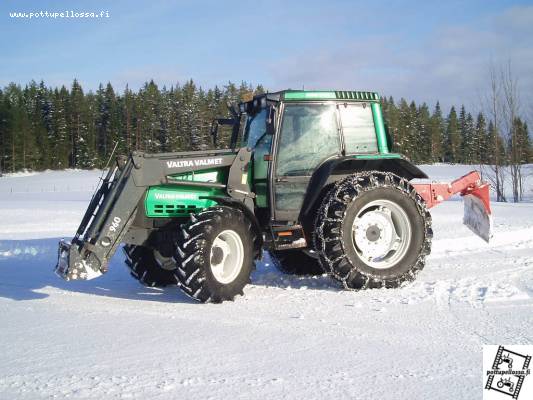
255	128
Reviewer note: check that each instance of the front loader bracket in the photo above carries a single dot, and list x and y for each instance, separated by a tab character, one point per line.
72	266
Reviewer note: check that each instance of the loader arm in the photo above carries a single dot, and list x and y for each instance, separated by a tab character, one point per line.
114	205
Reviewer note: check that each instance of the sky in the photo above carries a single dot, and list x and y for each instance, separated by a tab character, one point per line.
421	50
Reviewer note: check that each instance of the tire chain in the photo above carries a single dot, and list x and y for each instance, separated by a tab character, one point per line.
329	220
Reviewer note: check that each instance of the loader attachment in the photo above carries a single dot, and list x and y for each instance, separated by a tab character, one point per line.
477	211
75	258
70	265
103	226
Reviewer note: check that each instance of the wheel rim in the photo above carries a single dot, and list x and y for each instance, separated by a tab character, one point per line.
381	234
227	255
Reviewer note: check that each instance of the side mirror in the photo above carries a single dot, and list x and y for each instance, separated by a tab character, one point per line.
270	127
214	131
233	109
221	121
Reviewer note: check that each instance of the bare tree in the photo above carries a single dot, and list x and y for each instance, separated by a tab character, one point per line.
494	171
511	110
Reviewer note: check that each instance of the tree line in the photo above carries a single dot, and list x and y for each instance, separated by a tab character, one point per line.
458	137
55	128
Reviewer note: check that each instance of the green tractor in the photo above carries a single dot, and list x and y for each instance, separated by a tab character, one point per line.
308	176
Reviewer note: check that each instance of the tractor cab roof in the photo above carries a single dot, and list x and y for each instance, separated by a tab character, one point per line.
260	101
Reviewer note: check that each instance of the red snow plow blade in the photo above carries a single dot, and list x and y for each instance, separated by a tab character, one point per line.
477	212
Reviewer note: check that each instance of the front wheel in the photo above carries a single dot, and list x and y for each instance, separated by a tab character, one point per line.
215	254
373	230
148	266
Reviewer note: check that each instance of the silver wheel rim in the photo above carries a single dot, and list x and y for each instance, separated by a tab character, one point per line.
381	234
227	255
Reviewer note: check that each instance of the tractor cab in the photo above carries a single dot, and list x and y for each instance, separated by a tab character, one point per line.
294	133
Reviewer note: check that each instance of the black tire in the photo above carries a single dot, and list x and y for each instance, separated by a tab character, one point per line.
296	262
146	268
195	254
334	240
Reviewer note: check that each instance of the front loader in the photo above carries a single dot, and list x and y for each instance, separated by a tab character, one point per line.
308	176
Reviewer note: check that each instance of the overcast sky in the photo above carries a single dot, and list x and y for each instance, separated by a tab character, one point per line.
420	50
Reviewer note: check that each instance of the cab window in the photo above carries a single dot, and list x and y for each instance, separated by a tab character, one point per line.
309	135
255	128
358	128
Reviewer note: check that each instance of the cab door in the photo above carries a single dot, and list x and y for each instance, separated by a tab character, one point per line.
308	135
258	138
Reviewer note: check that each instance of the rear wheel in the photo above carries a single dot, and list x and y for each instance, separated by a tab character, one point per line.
296	262
215	254
373	230
149	266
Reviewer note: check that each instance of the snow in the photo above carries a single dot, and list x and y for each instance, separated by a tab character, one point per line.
288	337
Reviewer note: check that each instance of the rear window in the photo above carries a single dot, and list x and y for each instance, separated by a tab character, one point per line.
358	128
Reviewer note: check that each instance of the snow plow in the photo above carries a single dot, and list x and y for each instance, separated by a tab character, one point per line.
477	214
308	176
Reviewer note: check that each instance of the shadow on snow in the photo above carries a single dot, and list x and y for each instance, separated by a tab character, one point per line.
26	267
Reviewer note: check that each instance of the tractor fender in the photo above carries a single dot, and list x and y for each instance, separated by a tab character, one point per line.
335	169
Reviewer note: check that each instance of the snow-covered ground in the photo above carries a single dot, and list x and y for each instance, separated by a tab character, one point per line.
288	337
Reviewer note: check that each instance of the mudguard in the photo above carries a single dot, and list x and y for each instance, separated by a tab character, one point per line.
335	169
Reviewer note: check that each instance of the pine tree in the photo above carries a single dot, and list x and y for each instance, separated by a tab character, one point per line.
497	148
461	156
422	135
45	109
37	133
60	131
23	143
127	107
176	130
150	118
404	126
190	107
6	133
436	135
83	154
245	90
522	143
452	151
480	143
467	136
259	89
528	144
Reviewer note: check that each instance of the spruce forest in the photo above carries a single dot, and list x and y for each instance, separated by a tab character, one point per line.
56	128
